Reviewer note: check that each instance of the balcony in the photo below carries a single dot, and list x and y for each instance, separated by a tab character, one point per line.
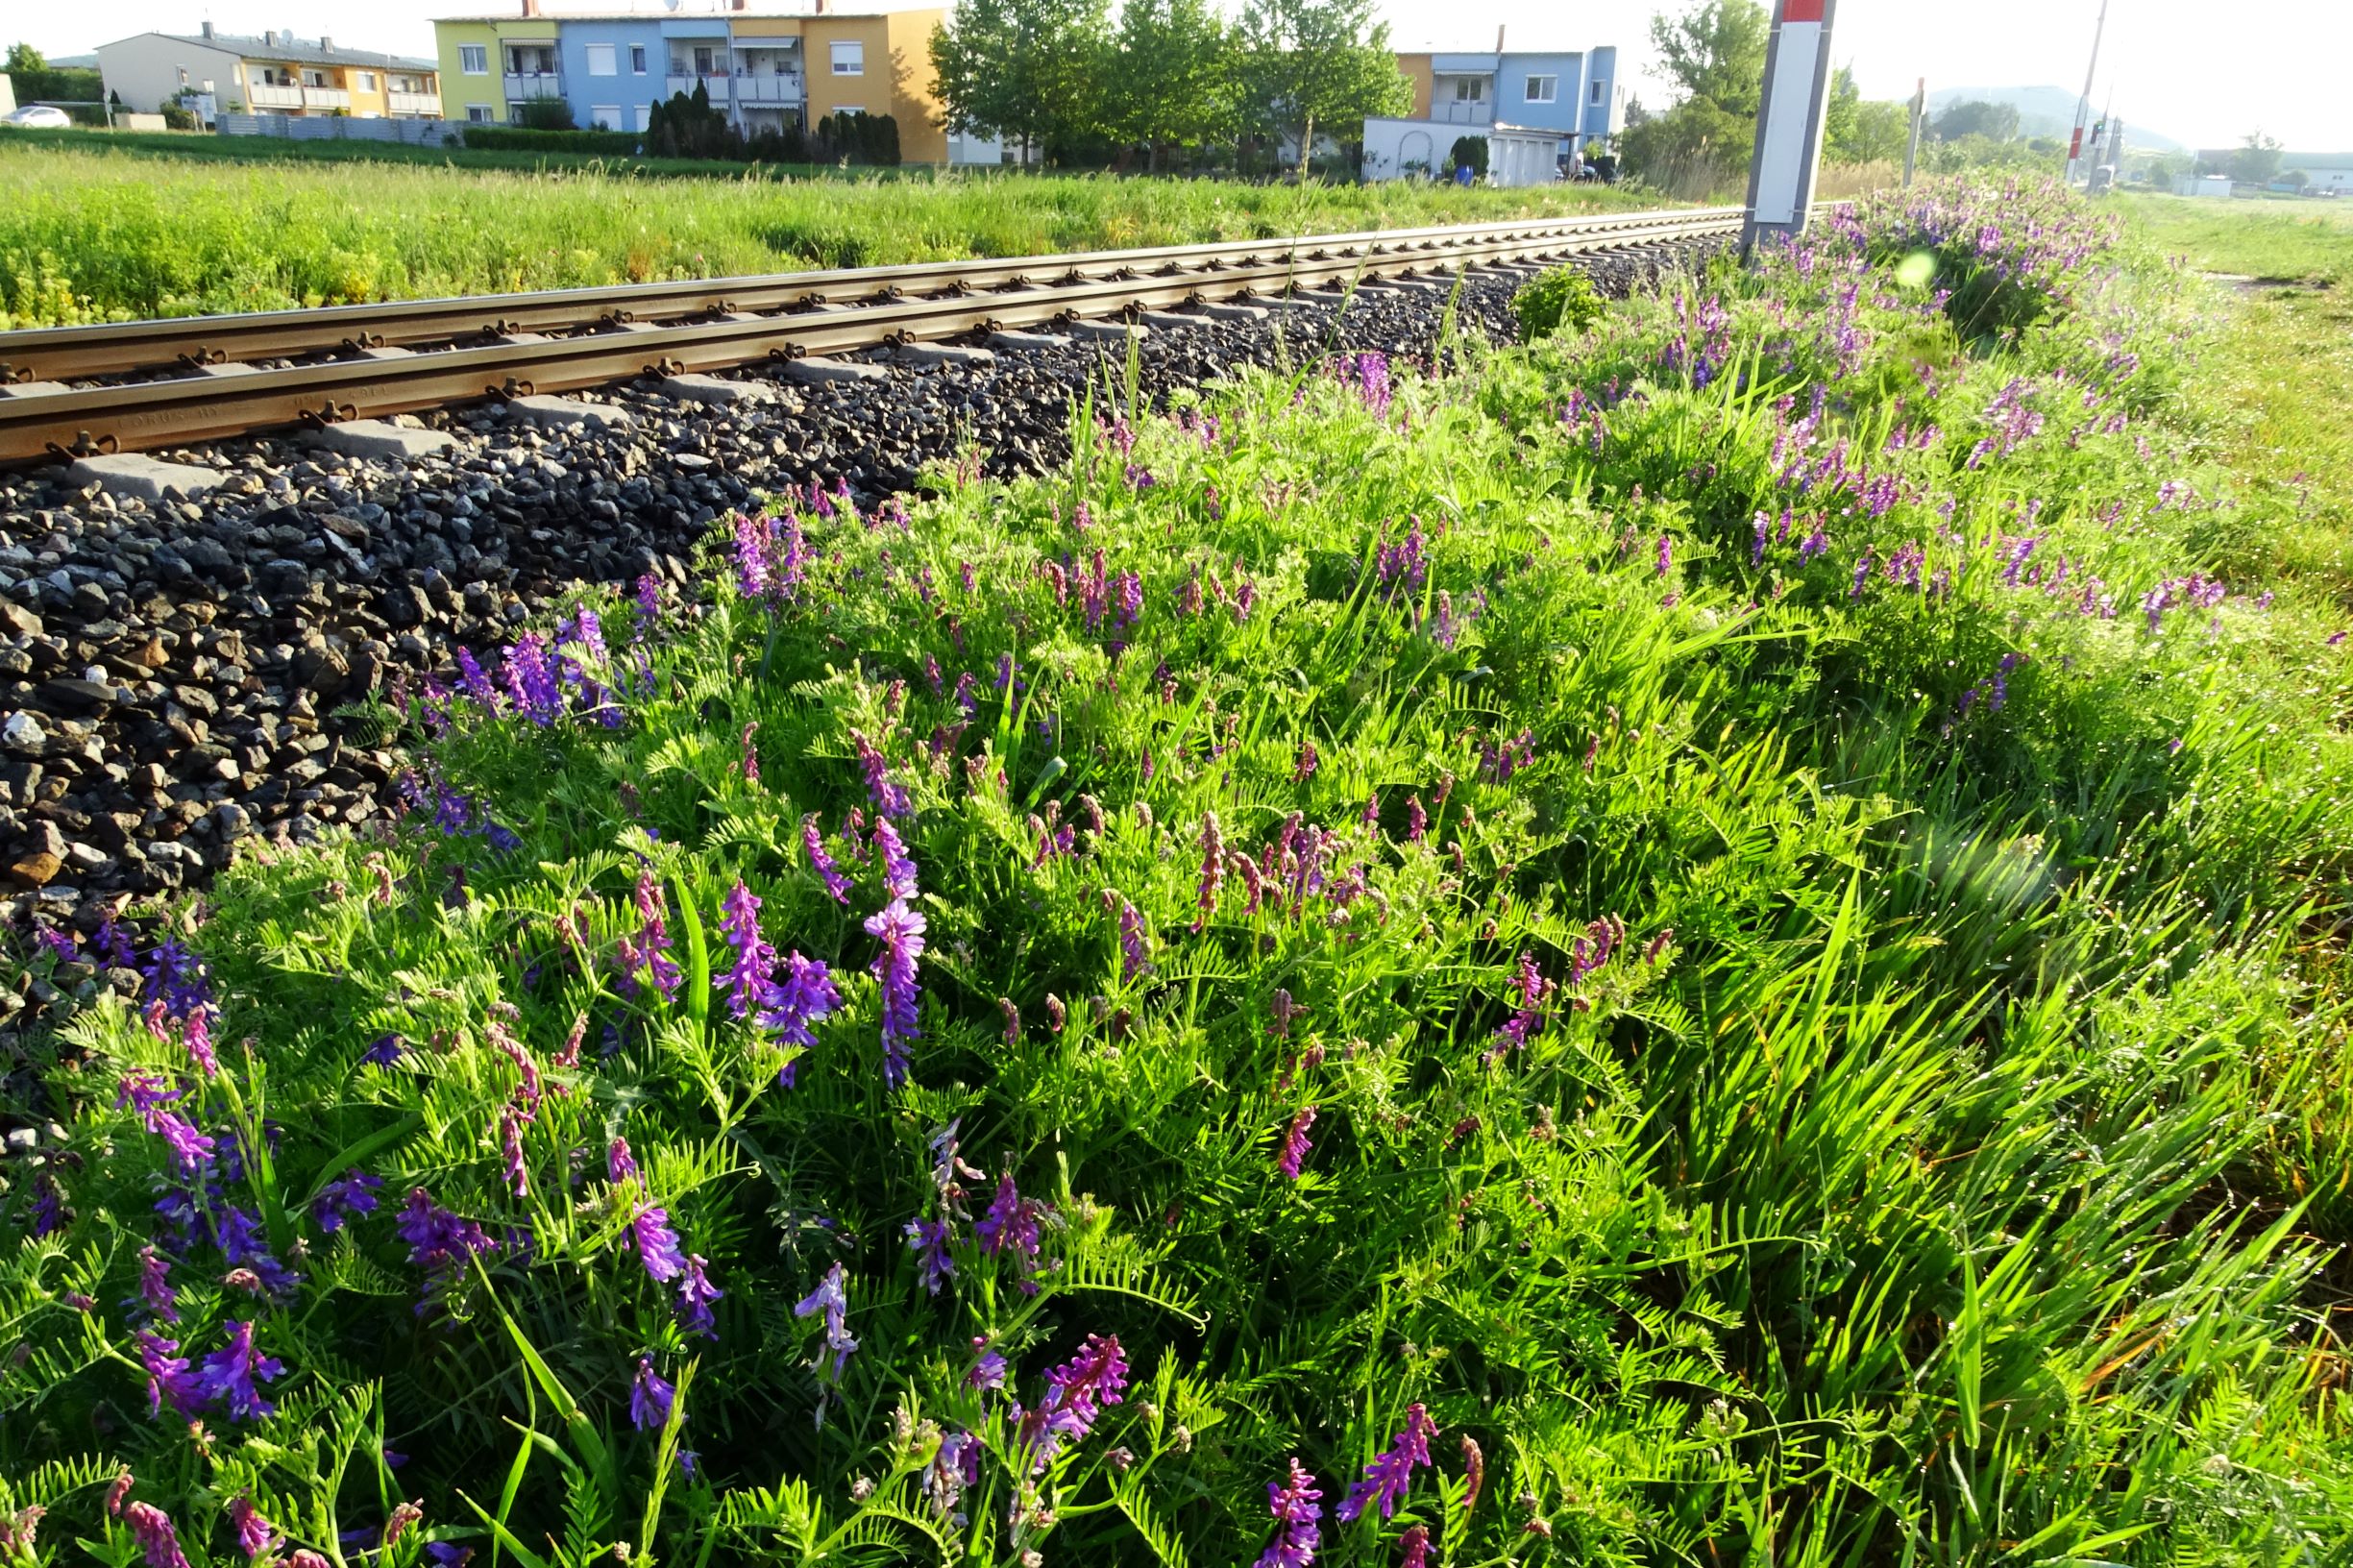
523	84
326	98
1464	112
769	90
428	104
267	97
716	81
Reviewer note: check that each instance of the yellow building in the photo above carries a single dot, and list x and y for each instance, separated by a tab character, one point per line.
764	70
276	73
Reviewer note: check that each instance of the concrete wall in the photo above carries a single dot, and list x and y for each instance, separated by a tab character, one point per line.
458	90
414	133
1606	118
144	70
625	90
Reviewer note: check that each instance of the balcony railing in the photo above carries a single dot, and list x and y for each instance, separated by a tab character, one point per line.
1464	112
326	98
414	103
769	90
715	81
267	96
534	84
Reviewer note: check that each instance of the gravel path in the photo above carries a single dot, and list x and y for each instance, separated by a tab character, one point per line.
174	671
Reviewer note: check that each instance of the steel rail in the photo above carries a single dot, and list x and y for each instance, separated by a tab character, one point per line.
201	407
69	354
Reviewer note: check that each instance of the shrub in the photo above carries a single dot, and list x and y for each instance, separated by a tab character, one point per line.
545	114
1562	298
1471	149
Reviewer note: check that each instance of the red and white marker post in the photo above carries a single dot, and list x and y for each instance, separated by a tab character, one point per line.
1789	123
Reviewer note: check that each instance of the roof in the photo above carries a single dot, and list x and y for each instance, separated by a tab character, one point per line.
2315	160
798	14
1511	47
300	51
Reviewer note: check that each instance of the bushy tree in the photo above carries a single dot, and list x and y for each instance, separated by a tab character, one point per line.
1855	132
1975	117
1716	51
549	115
1310	62
2256	160
23	56
1175	80
1031	71
687	126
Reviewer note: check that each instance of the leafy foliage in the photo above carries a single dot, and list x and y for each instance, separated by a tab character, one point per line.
1562	297
1723	908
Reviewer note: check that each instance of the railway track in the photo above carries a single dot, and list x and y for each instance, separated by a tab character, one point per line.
128	386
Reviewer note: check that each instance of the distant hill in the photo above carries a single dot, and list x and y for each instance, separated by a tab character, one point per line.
2049	112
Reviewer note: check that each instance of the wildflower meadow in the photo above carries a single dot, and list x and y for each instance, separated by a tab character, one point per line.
1716	940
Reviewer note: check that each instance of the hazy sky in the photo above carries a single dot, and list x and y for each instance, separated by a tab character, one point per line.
2188	68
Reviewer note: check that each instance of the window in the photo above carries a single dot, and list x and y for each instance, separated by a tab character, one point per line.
600	61
1470	90
705	62
314	79
183	76
605	117
637	59
479	113
1543	89
364	81
473	59
1600	90
850	59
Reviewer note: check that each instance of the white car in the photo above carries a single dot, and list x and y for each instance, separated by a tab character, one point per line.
38	117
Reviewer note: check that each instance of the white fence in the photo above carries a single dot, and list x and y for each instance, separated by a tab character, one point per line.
344	127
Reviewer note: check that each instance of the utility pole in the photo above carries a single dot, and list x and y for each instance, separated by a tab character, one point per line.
1789	121
2083	104
1920	112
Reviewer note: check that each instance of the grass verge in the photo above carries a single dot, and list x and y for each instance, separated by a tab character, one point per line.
86	236
1713	941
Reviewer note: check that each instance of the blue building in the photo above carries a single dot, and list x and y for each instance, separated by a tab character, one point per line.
1573	92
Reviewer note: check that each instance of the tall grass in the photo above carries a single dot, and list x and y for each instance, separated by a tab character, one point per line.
85	238
1723	909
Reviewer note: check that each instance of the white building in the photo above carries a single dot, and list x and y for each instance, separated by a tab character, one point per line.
1518	155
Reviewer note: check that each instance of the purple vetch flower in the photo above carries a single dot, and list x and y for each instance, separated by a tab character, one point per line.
1076	1392
1135	946
832	1298
155	1286
695	1293
1666	554
158	1542
1387	1477
228	1375
806	994
1297	1507
657	1243
1296	1144
738	922
619	1164
439	1241
510	1152
650	1397
898	870
748	762
385	1053
900	931
169	1382
889	798
476	681
1416	1543
1212	867
813	842
647	955
1010	1223
256	1534
345	1198
531	679
929	1239
189	1148
988	1371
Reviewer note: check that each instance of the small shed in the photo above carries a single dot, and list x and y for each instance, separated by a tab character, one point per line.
1519	154
1403	149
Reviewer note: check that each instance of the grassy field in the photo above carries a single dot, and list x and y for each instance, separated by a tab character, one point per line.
92	237
187	147
1716	942
2271	372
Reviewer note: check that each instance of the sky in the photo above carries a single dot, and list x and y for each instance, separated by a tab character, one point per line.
2188	68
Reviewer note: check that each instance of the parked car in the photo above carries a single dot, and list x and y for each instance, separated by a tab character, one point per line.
38	117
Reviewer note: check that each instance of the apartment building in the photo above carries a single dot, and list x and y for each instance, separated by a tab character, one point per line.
1574	93
764	70
276	73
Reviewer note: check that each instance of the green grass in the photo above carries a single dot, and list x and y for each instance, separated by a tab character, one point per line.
195	147
1826	1044
2271	369
89	236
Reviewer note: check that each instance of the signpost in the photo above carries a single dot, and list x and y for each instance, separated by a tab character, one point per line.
1920	112
2083	104
1789	121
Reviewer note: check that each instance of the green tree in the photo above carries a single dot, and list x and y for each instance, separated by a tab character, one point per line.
1716	51
1311	62
23	56
1975	117
2256	160
1854	132
1027	70
1174	79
